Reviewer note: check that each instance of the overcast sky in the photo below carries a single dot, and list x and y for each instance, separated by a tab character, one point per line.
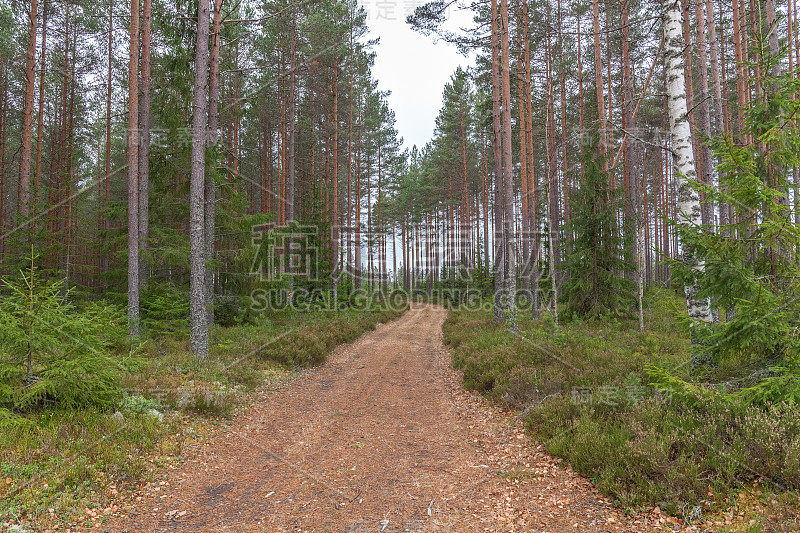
411	66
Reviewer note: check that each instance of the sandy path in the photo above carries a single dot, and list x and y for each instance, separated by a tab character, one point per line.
380	438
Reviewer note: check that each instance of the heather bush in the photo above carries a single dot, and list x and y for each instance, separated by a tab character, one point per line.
644	435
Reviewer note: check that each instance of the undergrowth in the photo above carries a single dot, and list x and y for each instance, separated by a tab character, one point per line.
56	459
585	393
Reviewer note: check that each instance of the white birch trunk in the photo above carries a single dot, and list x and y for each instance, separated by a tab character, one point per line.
689	212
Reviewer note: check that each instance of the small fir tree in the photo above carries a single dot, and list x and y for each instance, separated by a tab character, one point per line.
597	258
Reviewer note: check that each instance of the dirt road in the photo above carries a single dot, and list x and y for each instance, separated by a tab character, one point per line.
380	438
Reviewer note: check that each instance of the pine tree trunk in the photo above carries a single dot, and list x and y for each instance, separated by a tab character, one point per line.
357	214
741	87
394	257
485	197
59	218
581	112
523	158
349	231
290	180
209	185
335	187
793	47
552	185
530	225
104	187
563	102
772	39
689	76
509	273
197	244
266	162
404	252
718	124
598	77
133	172
379	232
3	111
68	200
144	141
703	112
499	245
23	194
627	110
465	218
37	181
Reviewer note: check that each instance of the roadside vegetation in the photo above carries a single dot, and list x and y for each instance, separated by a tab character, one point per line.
693	413
87	415
589	392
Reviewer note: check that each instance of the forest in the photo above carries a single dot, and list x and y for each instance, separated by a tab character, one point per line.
186	185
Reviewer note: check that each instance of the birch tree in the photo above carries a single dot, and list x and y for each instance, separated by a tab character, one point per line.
689	211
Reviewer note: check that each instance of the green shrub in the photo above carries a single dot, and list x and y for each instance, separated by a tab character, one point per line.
663	444
229	311
164	309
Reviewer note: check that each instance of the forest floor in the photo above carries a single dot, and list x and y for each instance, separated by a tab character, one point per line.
382	437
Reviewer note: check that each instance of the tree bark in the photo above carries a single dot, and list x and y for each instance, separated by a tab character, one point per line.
552	185
37	187
718	124
485	191
563	102
104	187
27	116
508	183
144	142
290	179
689	77
703	113
499	247
598	77
349	230
133	171
627	110
212	140
683	159
197	245
335	192
741	87
523	158
3	112
357	205
530	226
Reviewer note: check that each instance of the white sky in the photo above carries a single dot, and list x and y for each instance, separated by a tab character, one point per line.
411	66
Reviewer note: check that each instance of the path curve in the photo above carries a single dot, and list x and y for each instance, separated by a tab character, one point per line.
380	438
